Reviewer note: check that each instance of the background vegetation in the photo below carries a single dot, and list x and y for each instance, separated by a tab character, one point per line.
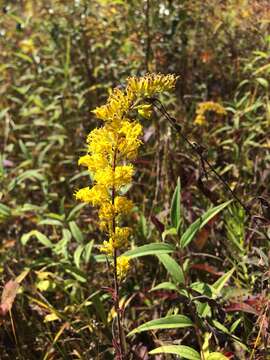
59	60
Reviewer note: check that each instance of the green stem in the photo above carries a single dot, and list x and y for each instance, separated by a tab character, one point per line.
115	277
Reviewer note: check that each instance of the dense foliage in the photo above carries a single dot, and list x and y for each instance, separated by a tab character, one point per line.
197	285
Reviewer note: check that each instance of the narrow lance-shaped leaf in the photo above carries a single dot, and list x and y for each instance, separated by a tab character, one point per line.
192	230
172	267
40	237
165	286
168	322
185	352
77	255
149	249
216	356
219	284
76	232
176	206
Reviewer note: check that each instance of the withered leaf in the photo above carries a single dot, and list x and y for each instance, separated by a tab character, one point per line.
8	296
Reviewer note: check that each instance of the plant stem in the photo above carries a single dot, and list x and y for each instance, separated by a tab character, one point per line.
117	309
120	341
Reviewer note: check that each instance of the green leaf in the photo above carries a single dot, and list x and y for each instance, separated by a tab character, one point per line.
172	267
202	288
216	356
219	284
40	237
263	82
192	230
24	57
170	286
77	255
61	247
165	286
5	211
204	308
101	258
52	222
75	210
100	308
170	231
88	251
168	322
26	175
76	232
176	206
24	149
185	351
149	249
76	273
220	327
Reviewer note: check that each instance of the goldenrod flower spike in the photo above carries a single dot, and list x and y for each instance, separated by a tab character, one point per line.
205	107
110	148
123	266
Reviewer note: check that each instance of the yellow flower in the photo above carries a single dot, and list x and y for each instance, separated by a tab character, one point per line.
118	240
145	111
123	175
128	142
109	149
93	162
123	266
118	177
107	247
211	106
203	107
96	195
27	46
117	106
106	212
83	194
120	237
151	84
101	141
123	205
200	120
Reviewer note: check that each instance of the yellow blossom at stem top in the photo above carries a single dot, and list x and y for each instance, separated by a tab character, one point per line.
151	84
117	106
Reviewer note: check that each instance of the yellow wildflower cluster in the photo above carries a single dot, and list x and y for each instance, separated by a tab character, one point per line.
205	107
122	266
109	150
27	46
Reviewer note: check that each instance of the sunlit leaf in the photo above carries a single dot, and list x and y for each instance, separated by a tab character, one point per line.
192	230
185	352
169	322
149	249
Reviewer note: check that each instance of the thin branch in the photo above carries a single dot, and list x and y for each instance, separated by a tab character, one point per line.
199	152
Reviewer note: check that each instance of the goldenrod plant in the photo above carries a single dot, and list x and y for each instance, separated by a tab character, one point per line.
205	107
110	150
